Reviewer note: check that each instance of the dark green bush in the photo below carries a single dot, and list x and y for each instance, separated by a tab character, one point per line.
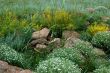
85	36
57	65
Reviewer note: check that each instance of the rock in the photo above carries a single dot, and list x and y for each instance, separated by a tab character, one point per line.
6	68
40	46
39	41
67	34
69	43
3	67
26	71
99	52
56	42
14	69
105	18
41	34
90	10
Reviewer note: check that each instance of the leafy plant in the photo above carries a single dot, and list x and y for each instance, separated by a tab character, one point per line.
99	62
85	36
85	48
102	69
95	27
57	65
11	56
68	53
102	40
56	31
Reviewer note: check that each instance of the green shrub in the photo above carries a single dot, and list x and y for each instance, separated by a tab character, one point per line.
102	40
68	53
56	31
85	48
102	69
9	55
99	61
57	65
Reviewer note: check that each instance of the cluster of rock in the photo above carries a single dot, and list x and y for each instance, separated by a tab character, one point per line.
73	37
41	39
6	68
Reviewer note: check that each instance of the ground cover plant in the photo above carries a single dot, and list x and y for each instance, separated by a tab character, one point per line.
90	19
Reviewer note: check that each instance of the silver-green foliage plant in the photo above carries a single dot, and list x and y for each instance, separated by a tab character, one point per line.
102	40
7	53
11	56
68	53
85	48
57	65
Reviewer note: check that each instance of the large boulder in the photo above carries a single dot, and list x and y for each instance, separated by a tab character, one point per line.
69	43
41	34
3	66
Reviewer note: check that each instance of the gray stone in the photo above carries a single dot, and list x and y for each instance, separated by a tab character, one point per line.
56	42
67	34
39	41
99	52
69	43
41	46
90	10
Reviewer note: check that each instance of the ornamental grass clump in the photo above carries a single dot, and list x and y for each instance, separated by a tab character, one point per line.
57	65
102	40
68	53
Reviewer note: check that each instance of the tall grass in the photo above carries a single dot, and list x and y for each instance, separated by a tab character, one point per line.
20	6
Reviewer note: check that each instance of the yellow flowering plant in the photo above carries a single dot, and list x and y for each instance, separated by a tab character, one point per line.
62	16
95	27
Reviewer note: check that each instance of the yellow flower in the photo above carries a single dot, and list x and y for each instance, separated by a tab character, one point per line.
93	29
